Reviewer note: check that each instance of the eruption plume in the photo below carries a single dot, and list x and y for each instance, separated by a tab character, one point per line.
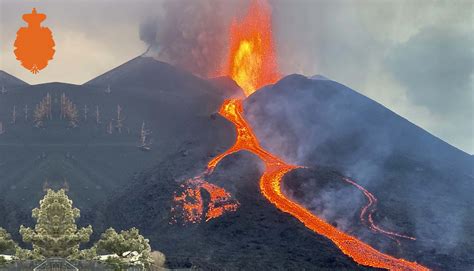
189	34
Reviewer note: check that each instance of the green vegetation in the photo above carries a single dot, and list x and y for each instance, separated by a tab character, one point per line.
7	245
57	235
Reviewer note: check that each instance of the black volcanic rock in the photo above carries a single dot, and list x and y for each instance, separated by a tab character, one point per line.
227	85
255	237
423	184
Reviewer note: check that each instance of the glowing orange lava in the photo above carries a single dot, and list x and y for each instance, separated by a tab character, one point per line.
189	204
270	185
366	214
251	59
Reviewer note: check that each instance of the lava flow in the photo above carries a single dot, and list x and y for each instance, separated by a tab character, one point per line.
270	186
368	211
252	64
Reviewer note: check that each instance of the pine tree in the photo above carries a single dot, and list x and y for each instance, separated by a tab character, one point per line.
7	245
56	233
125	242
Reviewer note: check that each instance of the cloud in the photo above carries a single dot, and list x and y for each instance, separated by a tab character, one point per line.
436	68
367	45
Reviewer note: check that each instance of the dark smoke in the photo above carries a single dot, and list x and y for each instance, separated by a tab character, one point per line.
190	34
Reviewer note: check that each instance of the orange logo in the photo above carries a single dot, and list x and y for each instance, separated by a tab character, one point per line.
34	45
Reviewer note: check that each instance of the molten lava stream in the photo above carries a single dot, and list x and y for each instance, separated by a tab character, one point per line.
270	185
369	209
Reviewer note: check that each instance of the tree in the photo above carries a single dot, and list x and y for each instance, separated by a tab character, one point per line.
7	245
56	233
158	259
124	244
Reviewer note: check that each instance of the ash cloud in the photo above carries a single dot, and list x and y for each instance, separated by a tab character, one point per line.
190	34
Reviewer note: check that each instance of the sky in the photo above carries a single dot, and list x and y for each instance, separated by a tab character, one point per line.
414	57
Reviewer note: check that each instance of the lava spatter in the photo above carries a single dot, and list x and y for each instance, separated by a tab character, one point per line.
189	205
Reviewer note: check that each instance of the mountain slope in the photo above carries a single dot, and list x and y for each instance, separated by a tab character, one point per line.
423	184
93	161
8	80
147	75
255	237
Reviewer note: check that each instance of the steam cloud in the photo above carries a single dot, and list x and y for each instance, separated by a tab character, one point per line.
190	34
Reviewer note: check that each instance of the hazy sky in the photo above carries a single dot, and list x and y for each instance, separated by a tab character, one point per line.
415	57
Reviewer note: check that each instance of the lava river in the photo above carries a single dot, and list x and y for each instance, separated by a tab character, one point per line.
270	186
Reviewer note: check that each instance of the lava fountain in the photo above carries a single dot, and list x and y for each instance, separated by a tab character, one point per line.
252	64
251	60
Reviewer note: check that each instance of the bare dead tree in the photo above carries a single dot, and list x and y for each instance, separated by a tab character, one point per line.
145	143
25	110
119	119
110	128
97	115
14	115
69	111
42	112
62	106
49	106
85	110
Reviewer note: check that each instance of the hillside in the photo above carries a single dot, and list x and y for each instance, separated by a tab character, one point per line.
424	186
10	81
92	161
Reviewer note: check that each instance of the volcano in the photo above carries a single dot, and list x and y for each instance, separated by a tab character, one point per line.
423	185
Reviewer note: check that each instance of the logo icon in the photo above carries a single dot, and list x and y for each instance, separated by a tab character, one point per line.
34	44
